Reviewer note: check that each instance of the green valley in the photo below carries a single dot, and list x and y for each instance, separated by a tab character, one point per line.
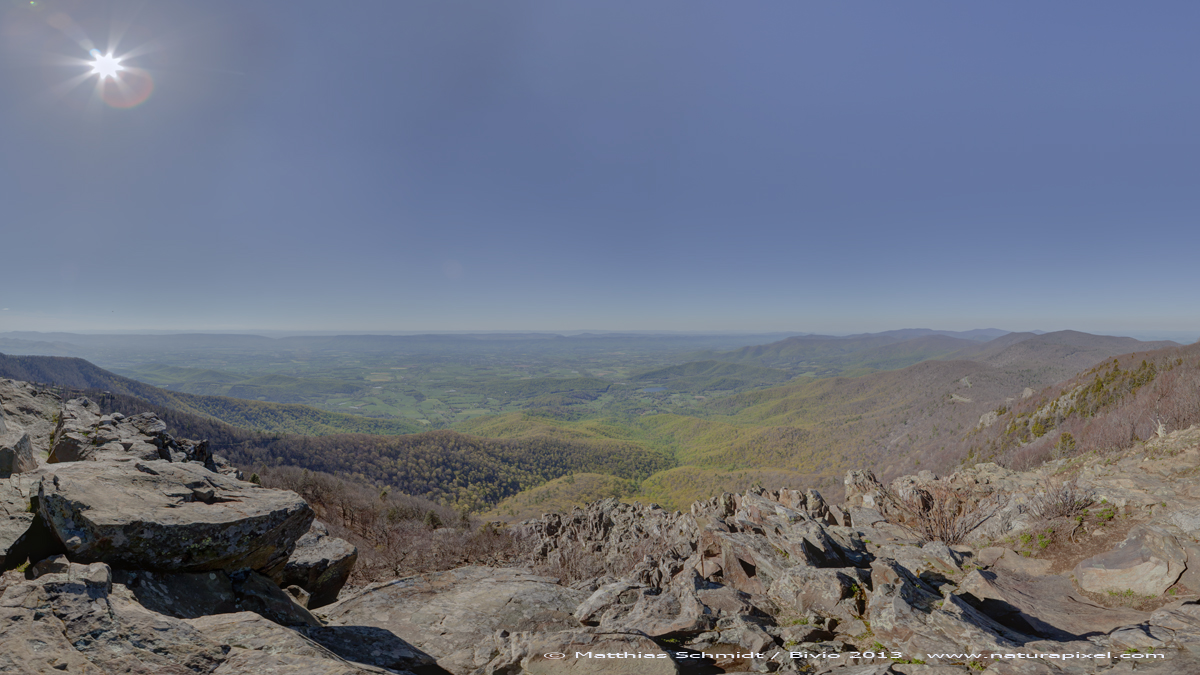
508	420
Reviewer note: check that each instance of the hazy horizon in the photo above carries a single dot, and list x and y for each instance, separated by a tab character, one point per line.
523	166
1184	337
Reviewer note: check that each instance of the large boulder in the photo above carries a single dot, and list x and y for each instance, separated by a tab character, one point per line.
15	518
909	616
840	593
450	615
71	618
29	408
16	453
320	565
1147	563
623	606
169	517
85	435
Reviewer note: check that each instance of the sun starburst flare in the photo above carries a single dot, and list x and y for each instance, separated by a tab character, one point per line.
105	65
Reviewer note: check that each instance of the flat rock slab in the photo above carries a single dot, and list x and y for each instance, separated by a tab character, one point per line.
261	647
1147	563
1009	560
169	517
452	615
525	654
1045	606
368	645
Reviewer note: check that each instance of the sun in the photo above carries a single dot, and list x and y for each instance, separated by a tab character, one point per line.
105	65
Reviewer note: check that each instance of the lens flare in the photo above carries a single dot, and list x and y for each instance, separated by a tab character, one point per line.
106	65
117	85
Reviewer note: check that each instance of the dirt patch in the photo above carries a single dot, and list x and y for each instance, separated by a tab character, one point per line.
1093	537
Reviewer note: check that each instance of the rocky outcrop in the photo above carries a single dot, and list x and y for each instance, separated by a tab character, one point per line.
16	516
169	517
140	554
1147	563
27	408
72	618
16	453
320	565
454	615
84	434
167	565
260	647
775	569
194	595
526	653
16	445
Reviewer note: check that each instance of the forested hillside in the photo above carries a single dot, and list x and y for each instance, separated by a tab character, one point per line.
702	376
810	431
446	466
1108	407
454	467
209	382
251	415
678	445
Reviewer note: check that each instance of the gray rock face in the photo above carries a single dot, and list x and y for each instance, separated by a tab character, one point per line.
371	646
85	435
446	614
320	565
840	593
31	409
688	605
75	620
524	654
1047	607
197	594
16	453
1147	563
258	646
1178	624
169	517
15	516
23	423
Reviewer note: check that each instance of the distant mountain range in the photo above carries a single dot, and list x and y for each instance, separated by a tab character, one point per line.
921	402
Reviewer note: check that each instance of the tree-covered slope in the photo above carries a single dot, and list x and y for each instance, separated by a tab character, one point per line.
702	376
253	415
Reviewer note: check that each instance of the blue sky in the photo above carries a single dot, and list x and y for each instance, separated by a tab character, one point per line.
403	166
